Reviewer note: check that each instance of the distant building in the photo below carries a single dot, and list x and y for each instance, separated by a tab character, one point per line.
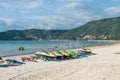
88	37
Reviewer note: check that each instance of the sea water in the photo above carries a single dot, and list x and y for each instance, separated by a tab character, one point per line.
11	47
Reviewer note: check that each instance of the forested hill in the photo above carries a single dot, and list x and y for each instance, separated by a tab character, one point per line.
31	34
99	29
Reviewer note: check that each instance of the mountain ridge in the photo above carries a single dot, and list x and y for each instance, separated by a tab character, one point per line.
108	28
103	29
31	34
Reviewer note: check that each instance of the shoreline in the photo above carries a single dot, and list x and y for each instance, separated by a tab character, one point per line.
73	49
113	43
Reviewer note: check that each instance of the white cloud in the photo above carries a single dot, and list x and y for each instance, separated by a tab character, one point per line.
65	14
115	0
53	22
76	0
22	4
23	12
79	13
4	4
70	7
112	11
31	26
8	21
73	5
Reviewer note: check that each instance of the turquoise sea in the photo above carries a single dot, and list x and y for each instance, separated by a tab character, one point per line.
11	47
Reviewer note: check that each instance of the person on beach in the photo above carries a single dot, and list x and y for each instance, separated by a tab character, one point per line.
28	59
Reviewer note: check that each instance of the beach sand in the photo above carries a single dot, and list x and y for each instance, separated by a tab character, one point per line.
103	66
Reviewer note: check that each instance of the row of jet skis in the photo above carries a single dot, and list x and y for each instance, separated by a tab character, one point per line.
52	55
63	55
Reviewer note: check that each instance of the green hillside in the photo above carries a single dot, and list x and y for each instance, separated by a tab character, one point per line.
32	34
101	29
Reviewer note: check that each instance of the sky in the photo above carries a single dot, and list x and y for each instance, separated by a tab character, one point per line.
54	14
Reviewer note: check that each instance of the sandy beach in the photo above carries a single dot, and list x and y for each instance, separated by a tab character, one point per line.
103	66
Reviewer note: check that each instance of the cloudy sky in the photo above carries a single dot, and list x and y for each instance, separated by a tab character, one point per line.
55	14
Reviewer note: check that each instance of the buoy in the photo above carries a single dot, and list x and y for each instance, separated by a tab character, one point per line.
21	48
